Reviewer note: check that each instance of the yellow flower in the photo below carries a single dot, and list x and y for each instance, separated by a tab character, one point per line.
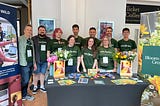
121	57
116	56
124	56
143	29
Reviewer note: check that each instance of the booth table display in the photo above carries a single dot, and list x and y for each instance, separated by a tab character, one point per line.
92	94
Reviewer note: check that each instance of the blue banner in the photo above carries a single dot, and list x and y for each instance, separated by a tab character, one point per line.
10	80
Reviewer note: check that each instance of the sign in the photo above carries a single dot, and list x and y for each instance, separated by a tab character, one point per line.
10	80
151	60
59	69
133	12
125	69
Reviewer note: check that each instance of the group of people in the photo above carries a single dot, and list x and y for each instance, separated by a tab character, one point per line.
86	53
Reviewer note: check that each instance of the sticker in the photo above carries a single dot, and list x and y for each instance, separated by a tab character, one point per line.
70	62
43	47
29	53
105	60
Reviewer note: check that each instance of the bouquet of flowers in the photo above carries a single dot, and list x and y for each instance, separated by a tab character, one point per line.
130	56
63	54
51	60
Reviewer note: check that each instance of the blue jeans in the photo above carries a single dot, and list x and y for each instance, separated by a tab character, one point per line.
71	69
41	68
26	72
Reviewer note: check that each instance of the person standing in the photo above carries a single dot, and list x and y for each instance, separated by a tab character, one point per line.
126	44
26	61
92	33
78	39
40	45
88	57
109	32
57	42
73	62
105	55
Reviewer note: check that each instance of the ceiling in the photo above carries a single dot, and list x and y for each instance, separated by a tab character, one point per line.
16	2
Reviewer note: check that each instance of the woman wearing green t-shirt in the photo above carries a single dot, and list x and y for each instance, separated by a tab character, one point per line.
88	60
72	65
105	55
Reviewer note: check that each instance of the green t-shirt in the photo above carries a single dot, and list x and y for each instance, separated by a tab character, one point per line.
43	49
105	58
75	52
97	41
114	43
88	58
54	45
29	51
79	41
126	45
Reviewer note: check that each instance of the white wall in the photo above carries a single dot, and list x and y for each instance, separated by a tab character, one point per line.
45	9
85	13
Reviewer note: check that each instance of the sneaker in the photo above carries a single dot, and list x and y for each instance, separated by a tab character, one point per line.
31	87
28	97
34	91
43	90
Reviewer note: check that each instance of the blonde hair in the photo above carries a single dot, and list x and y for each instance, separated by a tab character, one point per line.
109	41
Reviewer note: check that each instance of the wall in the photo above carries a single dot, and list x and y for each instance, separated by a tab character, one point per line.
86	13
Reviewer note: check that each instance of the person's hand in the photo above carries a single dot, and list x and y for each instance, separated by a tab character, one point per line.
78	70
84	70
115	70
35	67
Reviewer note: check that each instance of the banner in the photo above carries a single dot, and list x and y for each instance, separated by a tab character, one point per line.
149	40
10	88
133	12
151	60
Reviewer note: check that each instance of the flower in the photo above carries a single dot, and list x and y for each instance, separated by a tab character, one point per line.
63	55
52	59
124	56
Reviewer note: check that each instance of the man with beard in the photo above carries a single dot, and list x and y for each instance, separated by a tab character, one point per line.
113	42
92	33
40	45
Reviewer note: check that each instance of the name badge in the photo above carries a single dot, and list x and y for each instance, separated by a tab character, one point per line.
59	49
105	60
29	53
70	62
43	47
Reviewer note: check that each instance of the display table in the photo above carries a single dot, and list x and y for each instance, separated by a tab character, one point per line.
95	95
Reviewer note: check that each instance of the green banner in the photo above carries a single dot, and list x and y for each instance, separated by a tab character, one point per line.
151	60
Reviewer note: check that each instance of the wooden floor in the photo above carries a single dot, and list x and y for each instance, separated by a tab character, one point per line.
40	99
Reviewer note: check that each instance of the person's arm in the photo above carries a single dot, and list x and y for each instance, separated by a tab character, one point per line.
82	62
95	64
115	66
78	63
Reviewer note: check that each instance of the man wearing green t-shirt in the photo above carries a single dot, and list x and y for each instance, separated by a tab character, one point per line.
109	32
79	39
126	44
40	45
92	33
